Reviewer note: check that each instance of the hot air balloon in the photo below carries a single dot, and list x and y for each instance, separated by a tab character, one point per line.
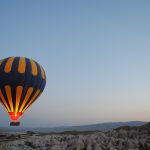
22	80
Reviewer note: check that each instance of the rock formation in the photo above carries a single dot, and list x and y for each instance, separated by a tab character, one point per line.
123	138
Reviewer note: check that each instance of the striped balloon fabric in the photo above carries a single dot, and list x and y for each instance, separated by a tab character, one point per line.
22	80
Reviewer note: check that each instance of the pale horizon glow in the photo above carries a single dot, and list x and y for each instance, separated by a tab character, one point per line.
96	55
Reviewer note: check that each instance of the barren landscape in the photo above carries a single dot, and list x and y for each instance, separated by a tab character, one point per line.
123	138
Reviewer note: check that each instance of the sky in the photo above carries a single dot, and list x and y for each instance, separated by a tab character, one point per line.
96	55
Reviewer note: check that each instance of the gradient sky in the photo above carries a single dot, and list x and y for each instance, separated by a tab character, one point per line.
96	55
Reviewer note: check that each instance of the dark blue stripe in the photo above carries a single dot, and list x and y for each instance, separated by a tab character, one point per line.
14	79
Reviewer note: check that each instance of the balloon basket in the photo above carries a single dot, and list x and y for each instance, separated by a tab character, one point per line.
14	123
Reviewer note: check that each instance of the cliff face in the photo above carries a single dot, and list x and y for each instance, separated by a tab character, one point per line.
124	138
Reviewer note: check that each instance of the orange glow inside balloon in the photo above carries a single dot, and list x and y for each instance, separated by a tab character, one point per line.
22	80
15	115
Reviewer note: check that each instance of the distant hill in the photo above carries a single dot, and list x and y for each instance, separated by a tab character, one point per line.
92	127
138	128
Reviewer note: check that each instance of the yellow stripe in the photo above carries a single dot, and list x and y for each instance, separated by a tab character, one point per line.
9	97
22	65
29	92
18	96
42	72
34	68
31	101
4	101
8	65
1	62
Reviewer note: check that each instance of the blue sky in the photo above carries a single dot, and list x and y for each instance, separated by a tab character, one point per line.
96	55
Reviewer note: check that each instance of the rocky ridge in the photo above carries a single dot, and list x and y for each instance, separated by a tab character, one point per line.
123	138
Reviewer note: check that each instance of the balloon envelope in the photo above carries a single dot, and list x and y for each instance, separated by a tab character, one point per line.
22	80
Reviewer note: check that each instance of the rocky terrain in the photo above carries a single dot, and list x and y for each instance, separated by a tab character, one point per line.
123	138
